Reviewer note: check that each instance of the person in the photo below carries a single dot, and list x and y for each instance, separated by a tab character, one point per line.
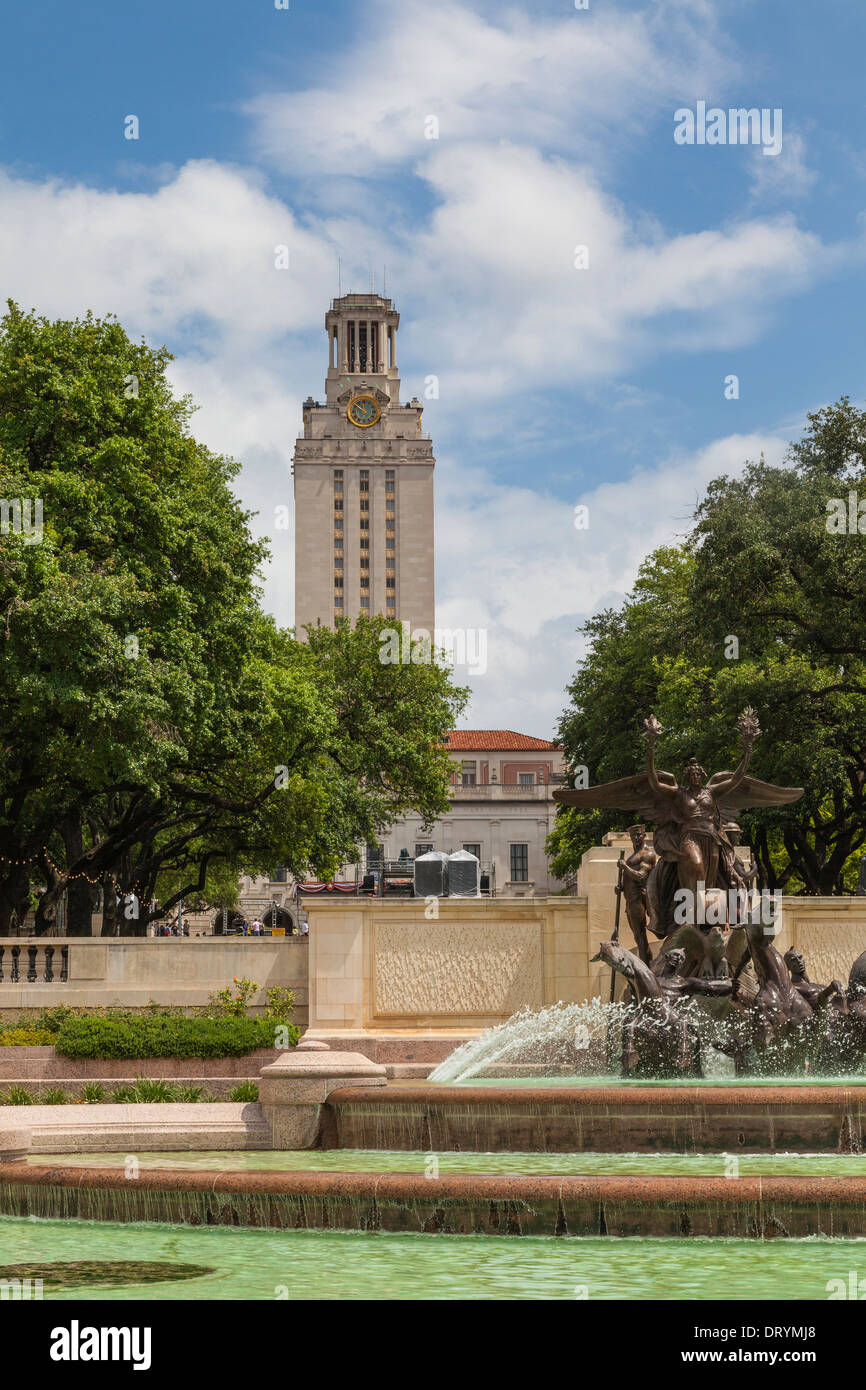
245	927
305	927
257	927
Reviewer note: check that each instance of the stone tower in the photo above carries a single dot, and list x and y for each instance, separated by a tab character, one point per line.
363	474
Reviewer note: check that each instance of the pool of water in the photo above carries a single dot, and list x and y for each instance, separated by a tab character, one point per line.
304	1265
400	1161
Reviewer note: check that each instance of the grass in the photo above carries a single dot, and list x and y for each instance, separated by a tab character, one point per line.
245	1091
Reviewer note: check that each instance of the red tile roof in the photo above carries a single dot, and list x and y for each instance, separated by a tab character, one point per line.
496	741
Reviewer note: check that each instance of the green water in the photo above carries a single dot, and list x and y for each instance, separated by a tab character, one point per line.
306	1265
398	1161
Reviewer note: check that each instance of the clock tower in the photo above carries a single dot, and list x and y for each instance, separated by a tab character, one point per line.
363	473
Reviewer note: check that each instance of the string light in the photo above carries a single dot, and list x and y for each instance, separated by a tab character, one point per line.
71	878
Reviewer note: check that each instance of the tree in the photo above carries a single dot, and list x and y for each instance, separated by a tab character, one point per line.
763	605
151	715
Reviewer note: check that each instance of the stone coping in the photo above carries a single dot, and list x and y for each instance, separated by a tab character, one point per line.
456	1186
146	1126
619	1097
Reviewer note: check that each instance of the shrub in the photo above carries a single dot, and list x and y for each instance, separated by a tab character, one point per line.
281	1004
244	1091
231	1002
123	1094
26	1035
109	1036
53	1019
94	1092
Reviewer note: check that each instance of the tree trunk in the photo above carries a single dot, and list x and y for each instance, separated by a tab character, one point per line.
109	908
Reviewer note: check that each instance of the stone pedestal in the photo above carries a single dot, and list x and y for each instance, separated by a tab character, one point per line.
293	1089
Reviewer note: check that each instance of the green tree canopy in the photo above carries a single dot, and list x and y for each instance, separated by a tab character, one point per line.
153	720
764	604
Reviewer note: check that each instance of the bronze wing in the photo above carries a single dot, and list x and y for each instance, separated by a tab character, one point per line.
627	794
751	792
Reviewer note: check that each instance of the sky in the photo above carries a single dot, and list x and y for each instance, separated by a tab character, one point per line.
582	285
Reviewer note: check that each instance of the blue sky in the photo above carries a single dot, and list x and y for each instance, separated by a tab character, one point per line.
558	386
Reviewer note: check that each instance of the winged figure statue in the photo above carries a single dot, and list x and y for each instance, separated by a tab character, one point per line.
691	840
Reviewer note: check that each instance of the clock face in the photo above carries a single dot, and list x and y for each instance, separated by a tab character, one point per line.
364	411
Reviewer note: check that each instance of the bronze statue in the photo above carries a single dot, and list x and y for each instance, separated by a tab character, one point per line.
635	872
816	996
694	851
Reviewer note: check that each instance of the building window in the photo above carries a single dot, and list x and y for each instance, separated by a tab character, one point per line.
526	779
390	581
365	600
365	542
338	526
364	504
338	504
338	562
338	600
423	847
365	485
389	473
365	562
519	855
365	523
467	773
365	581
473	849
338	581
390	543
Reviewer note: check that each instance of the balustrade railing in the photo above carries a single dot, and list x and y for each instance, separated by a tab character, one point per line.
34	964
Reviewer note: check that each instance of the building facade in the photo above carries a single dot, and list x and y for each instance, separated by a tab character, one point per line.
363	481
502	810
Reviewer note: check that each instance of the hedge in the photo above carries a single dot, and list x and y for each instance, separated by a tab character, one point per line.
160	1036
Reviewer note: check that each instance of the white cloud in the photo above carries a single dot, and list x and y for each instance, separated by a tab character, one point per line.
586	77
504	304
510	560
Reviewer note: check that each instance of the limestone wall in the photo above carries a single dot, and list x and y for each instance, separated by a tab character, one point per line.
379	965
134	971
